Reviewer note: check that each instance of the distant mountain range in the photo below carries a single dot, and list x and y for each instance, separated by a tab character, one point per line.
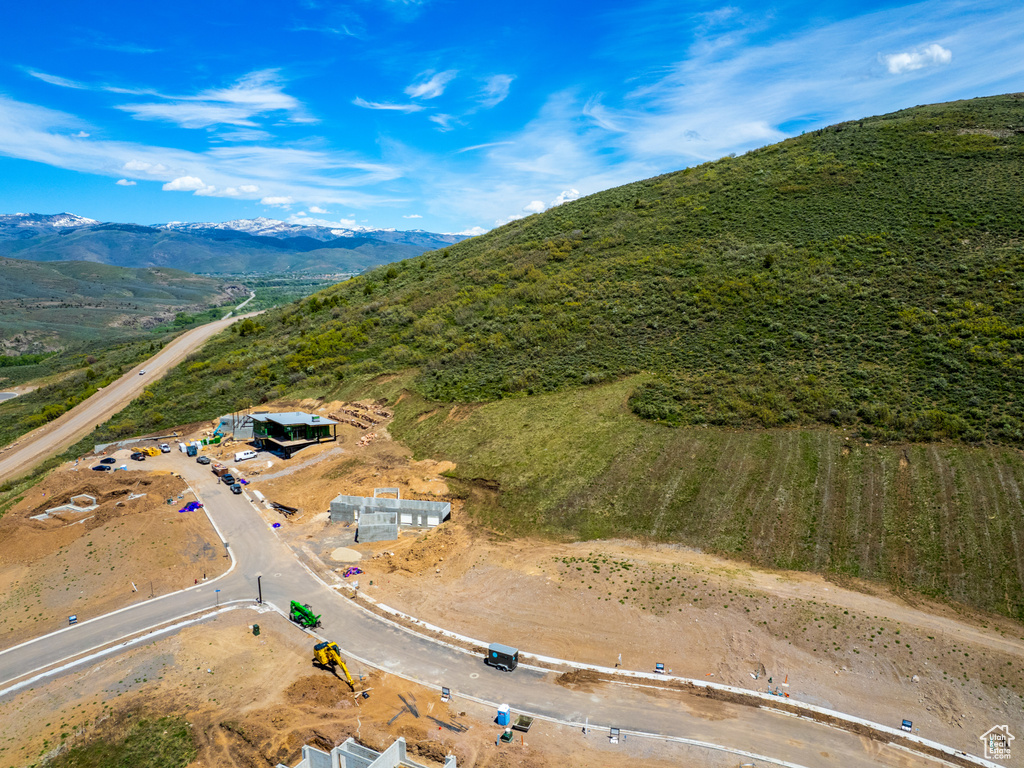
235	247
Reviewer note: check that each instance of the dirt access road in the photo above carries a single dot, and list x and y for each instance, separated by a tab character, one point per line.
29	450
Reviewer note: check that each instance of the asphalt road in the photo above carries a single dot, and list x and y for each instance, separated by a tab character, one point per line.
258	551
29	450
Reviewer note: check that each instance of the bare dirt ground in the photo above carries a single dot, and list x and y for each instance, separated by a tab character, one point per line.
855	647
85	563
254	701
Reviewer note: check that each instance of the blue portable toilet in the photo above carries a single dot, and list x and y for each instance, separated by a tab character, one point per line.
504	717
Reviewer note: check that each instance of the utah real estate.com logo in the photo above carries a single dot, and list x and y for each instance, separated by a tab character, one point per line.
997	742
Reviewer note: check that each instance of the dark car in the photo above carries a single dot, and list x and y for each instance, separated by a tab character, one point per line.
203	460
102	468
228	479
108	460
236	488
139	456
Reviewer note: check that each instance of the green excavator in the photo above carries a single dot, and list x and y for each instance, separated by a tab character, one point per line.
302	614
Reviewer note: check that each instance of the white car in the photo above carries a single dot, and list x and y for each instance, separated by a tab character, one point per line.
142	373
165	448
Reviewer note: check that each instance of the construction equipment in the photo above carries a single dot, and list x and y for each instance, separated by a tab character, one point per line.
302	614
329	655
151	451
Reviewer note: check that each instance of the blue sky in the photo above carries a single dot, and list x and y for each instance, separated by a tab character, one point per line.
445	115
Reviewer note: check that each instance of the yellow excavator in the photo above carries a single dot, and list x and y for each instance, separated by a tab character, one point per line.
329	655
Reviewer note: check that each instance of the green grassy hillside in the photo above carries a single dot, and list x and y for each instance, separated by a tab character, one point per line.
44	306
869	274
862	281
941	519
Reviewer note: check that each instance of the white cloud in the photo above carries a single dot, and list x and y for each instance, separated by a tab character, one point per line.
565	196
413	216
308	221
444	122
360	102
309	175
255	94
535	207
125	183
431	87
63	82
283	202
142	166
495	90
474	231
80	135
243	134
898	63
184	184
484	146
317	209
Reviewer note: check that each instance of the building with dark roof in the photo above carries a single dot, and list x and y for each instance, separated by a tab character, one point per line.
289	432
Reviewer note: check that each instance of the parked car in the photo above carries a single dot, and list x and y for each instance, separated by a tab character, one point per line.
139	456
108	460
165	448
228	479
236	488
203	460
142	373
102	467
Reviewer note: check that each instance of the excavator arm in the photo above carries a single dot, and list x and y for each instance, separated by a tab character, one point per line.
329	655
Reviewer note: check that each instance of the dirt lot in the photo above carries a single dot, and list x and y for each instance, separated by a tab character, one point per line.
853	647
85	563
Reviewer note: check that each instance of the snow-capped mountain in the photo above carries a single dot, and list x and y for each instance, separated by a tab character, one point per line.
230	247
21	225
264	227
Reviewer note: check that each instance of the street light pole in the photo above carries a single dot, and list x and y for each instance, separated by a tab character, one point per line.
259	589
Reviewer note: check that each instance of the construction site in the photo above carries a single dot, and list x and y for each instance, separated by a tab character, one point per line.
263	687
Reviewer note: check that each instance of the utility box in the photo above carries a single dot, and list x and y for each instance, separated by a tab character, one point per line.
256	629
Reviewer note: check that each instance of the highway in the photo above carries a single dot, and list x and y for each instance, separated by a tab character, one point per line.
257	550
26	452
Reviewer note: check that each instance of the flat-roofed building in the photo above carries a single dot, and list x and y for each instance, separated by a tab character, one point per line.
291	431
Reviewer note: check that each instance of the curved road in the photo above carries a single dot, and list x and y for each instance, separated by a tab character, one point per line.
258	551
26	452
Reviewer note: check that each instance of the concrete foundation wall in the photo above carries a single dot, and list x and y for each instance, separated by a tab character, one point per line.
377	526
412	513
352	755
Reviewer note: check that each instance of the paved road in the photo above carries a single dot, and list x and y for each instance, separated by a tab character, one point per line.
37	446
363	636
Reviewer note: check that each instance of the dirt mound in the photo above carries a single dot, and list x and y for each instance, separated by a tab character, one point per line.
323	690
581	679
444	547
